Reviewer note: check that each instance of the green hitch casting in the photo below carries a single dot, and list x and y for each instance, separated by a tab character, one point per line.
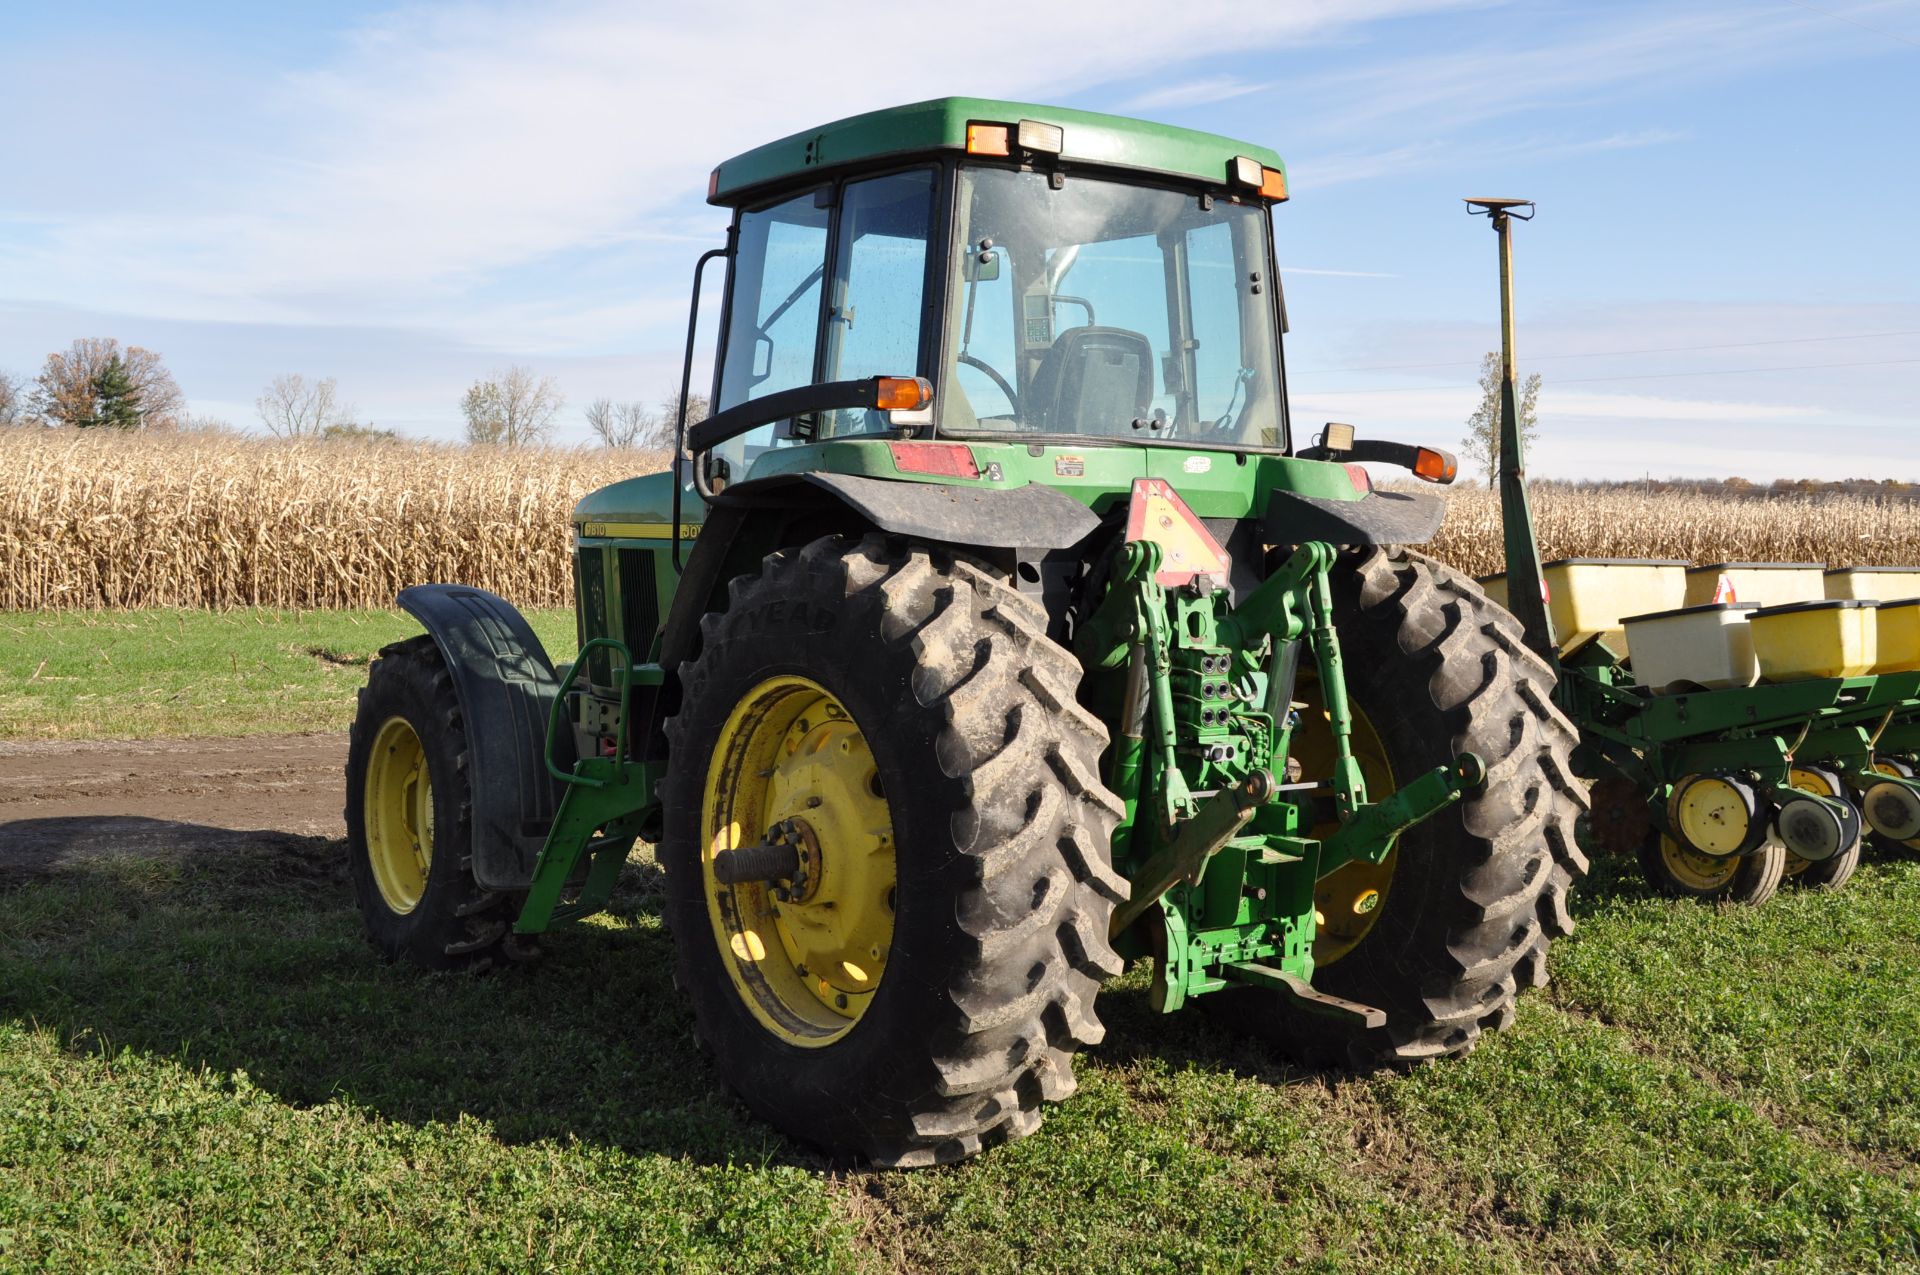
1219	820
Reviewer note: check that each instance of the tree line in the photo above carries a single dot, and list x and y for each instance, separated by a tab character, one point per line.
96	383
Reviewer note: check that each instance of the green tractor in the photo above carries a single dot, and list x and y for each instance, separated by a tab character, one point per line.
995	631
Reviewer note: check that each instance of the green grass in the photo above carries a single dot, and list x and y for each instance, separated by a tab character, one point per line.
205	1066
145	674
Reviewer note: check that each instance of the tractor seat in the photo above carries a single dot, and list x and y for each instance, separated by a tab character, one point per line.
1092	381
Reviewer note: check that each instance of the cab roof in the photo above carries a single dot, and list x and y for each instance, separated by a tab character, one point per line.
941	125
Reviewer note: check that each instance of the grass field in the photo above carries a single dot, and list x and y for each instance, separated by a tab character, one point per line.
146	674
203	1066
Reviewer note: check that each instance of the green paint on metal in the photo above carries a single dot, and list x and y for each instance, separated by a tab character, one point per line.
1212	842
924	128
1374	828
599	818
1229	485
645	500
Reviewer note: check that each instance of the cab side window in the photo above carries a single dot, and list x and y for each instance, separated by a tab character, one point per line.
879	287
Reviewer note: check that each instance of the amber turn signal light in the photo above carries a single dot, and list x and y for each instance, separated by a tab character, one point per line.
901	393
987	139
1435	465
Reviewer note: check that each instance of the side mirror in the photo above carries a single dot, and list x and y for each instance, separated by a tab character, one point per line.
980	267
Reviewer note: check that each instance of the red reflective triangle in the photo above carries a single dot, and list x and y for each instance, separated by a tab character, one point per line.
1187	549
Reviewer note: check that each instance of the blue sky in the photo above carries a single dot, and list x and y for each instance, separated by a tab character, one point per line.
1724	276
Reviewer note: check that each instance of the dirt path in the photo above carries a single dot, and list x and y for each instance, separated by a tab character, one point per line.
71	801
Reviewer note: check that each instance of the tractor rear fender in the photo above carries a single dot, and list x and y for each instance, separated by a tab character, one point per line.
751	519
505	685
1381	518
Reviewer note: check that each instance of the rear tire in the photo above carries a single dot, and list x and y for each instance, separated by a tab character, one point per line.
1478	891
408	734
989	770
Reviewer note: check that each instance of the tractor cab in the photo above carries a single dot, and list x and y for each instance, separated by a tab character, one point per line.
1051	275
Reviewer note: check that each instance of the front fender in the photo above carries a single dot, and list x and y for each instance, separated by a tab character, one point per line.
505	685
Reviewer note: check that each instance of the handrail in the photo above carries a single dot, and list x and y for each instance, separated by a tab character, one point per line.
560	698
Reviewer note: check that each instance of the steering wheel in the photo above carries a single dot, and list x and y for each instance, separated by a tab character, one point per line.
1013	399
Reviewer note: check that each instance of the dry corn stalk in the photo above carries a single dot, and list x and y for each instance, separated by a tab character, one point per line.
112	520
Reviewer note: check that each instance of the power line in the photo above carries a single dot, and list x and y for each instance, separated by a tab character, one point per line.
1605	354
1853	22
1643	376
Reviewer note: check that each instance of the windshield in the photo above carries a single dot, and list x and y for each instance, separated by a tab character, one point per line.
1101	308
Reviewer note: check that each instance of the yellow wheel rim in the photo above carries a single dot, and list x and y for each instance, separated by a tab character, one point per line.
1816	783
1694	870
805	955
1713	815
399	814
1348	900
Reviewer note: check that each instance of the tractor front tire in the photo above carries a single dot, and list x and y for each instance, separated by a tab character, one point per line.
1478	891
409	819
896	721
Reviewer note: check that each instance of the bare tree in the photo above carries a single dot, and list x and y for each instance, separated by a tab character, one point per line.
513	409
66	390
649	429
604	424
294	407
697	411
13	402
1482	443
624	425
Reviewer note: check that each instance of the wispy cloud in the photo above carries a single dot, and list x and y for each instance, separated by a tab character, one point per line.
1338	274
1465	155
1200	92
1607	48
450	141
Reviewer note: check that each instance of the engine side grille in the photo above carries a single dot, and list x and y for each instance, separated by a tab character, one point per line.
590	583
639	601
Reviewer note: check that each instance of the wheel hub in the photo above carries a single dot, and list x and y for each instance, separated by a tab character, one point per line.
804	883
807	947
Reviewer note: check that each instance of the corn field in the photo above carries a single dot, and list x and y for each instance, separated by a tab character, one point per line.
102	519
112	520
1840	529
